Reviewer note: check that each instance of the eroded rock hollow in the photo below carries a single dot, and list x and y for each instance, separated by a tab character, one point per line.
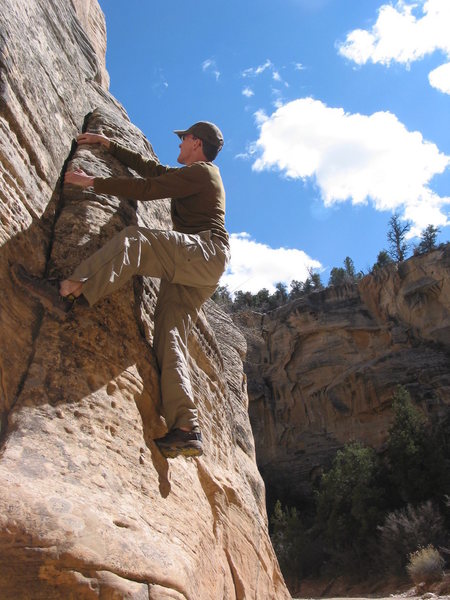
88	507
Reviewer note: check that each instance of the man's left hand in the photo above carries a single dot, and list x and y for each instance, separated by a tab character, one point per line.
79	178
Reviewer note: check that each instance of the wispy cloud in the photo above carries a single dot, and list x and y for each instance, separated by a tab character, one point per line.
401	36
278	97
269	67
209	65
160	85
255	71
255	266
355	157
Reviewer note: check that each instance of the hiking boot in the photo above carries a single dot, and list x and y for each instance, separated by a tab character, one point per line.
178	442
45	290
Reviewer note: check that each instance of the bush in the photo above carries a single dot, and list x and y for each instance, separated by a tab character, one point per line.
417	453
405	530
425	565
349	499
383	260
298	553
288	539
407	452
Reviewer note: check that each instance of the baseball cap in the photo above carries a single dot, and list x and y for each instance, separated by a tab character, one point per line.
206	131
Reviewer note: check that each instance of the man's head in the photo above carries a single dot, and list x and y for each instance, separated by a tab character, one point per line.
201	138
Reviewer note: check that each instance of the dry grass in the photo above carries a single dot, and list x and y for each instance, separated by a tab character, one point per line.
425	566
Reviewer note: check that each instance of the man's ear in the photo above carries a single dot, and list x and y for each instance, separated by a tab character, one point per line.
201	146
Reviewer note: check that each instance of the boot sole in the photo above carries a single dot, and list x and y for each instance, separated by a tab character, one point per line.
186	452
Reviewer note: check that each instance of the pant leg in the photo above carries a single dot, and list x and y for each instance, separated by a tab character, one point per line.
194	264
133	251
176	312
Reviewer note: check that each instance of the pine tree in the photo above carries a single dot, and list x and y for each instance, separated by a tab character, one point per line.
396	235
383	259
427	239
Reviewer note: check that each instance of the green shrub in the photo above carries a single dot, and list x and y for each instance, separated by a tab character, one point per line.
349	499
425	565
298	553
418	453
406	450
287	538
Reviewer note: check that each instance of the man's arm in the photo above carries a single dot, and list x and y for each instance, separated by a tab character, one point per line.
146	167
177	183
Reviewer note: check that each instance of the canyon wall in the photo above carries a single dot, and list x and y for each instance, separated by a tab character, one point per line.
322	369
88	506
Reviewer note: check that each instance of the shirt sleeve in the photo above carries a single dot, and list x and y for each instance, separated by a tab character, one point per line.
146	167
175	183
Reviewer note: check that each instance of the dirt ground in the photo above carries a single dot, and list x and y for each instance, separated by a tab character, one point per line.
339	588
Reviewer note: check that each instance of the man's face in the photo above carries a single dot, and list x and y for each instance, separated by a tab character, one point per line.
187	146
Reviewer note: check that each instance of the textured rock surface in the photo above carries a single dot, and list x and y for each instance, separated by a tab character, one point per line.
88	507
322	370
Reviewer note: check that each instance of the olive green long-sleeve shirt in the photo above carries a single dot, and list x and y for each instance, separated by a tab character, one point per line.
197	192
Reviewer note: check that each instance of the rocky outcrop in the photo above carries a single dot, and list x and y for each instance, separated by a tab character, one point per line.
322	370
88	506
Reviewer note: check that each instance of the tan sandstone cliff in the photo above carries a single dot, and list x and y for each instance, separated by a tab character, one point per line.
322	370
88	507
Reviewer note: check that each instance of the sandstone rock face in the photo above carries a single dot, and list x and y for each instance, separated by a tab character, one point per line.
92	20
88	506
322	370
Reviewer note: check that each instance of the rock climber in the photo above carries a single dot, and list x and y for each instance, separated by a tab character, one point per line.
189	260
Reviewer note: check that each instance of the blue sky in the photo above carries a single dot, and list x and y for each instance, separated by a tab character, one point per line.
335	114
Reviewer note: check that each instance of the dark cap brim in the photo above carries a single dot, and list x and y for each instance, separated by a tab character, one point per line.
179	132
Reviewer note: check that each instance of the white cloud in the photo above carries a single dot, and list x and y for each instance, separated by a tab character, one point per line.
440	78
248	92
210	66
354	157
255	71
273	72
399	35
255	266
260	116
278	98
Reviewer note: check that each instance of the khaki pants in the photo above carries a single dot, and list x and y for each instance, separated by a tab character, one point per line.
189	266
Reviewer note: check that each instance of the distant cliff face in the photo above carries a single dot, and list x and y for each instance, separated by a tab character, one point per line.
88	506
322	370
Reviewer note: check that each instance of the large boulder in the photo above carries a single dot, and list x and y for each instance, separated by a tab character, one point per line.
88	506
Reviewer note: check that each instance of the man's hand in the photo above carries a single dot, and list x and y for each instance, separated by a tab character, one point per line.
79	178
93	138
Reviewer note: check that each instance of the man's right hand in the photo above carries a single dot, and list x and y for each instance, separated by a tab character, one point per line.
93	138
